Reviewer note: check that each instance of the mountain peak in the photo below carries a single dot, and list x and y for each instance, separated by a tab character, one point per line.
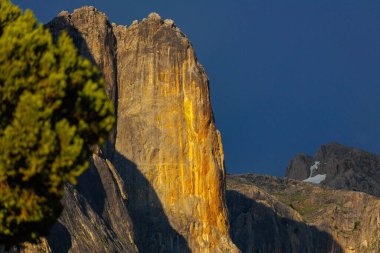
154	16
345	168
165	154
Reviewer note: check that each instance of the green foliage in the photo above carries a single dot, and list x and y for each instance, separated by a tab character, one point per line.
53	109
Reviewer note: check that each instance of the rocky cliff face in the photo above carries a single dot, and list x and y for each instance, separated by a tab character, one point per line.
299	167
269	214
95	218
158	185
344	167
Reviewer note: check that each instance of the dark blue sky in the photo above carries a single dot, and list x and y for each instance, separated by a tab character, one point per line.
286	76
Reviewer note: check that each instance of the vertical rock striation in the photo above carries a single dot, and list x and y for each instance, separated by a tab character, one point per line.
165	126
165	156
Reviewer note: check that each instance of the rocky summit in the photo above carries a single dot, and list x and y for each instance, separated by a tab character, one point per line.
339	167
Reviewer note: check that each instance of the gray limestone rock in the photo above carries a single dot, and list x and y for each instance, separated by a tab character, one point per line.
345	168
299	167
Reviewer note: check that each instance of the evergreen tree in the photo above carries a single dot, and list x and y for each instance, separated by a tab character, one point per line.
53	109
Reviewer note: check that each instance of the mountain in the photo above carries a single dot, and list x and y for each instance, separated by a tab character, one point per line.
269	214
159	183
339	167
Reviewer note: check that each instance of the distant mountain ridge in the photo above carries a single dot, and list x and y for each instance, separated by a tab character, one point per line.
340	167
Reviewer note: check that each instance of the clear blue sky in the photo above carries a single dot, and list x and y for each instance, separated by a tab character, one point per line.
286	76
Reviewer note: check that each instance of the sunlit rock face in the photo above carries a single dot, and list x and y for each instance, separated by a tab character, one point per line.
165	126
165	154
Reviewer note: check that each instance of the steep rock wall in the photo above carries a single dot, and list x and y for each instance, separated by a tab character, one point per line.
165	126
165	149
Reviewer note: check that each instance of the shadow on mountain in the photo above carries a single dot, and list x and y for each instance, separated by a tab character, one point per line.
152	228
95	190
59	239
256	228
90	186
60	24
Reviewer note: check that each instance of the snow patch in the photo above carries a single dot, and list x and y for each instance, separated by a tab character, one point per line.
317	178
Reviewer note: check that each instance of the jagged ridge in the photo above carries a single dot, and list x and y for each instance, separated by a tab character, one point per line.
345	168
